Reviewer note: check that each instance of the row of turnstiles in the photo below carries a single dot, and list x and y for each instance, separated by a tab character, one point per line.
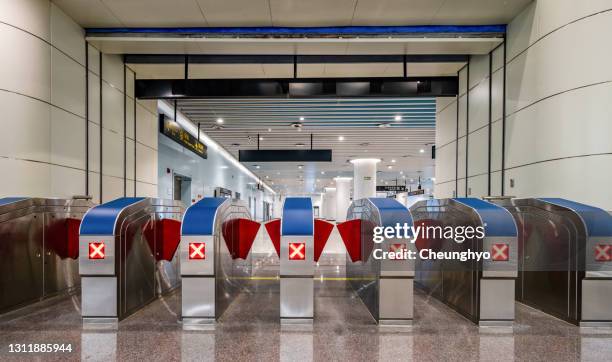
552	254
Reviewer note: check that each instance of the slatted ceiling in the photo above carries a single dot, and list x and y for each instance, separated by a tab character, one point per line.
356	119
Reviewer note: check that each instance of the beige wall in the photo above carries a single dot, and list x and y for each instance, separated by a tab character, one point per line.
558	111
43	96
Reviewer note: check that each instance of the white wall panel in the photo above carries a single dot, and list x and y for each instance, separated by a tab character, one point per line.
478	152
28	120
570	124
67	139
94	60
477	186
25	64
463	81
29	15
496	145
94	186
67	182
566	178
24	178
461	188
112	188
130	159
94	97
479	69
145	190
112	159
444	190
112	70
146	127
463	101
446	124
129	119
112	108
497	61
551	66
445	162
67	35
94	147
67	83
461	157
479	106
497	95
496	184
146	168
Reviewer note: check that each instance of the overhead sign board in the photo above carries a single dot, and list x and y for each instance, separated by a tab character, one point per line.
175	132
391	188
416	192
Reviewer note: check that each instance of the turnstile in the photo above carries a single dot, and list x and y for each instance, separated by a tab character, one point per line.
297	261
38	249
564	258
216	239
127	256
482	291
385	286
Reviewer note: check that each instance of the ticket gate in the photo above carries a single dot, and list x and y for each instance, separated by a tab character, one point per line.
385	286
564	258
216	239
38	249
127	256
482	291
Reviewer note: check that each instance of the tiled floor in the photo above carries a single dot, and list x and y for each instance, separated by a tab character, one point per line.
342	330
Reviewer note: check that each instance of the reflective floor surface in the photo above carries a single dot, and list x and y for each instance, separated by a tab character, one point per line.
342	331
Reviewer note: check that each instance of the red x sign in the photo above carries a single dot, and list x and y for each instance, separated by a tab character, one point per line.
297	251
603	252
197	251
96	250
501	252
397	247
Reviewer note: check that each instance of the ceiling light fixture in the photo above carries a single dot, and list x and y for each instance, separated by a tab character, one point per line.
257	166
301	118
220	120
340	138
398	118
299	145
393	160
384	125
422	150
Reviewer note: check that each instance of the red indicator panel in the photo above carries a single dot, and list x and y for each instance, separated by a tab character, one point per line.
297	251
603	252
197	251
500	252
97	250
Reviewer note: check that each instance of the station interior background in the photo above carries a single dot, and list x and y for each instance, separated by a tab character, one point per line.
72	126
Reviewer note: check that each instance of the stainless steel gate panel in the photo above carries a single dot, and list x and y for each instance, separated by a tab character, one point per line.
31	231
125	228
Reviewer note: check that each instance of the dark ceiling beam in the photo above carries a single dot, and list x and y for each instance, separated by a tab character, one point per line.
290	59
298	88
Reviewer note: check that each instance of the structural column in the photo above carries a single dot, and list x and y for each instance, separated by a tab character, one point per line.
364	181
343	197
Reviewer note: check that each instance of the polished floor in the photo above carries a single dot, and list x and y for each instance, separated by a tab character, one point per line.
342	331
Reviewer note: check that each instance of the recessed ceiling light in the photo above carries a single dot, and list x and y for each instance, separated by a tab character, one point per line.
299	145
398	118
301	118
223	167
384	125
261	138
340	138
322	172
267	176
220	120
401	172
422	150
433	179
278	173
257	166
269	129
393	160
389	167
300	166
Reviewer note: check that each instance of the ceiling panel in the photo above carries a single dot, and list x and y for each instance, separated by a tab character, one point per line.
158	71
236	12
396	12
89	13
156	13
479	11
312	12
357	120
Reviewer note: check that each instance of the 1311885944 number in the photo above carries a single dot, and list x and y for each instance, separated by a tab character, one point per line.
40	347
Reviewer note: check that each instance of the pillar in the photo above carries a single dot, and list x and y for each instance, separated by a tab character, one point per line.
343	197
364	181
